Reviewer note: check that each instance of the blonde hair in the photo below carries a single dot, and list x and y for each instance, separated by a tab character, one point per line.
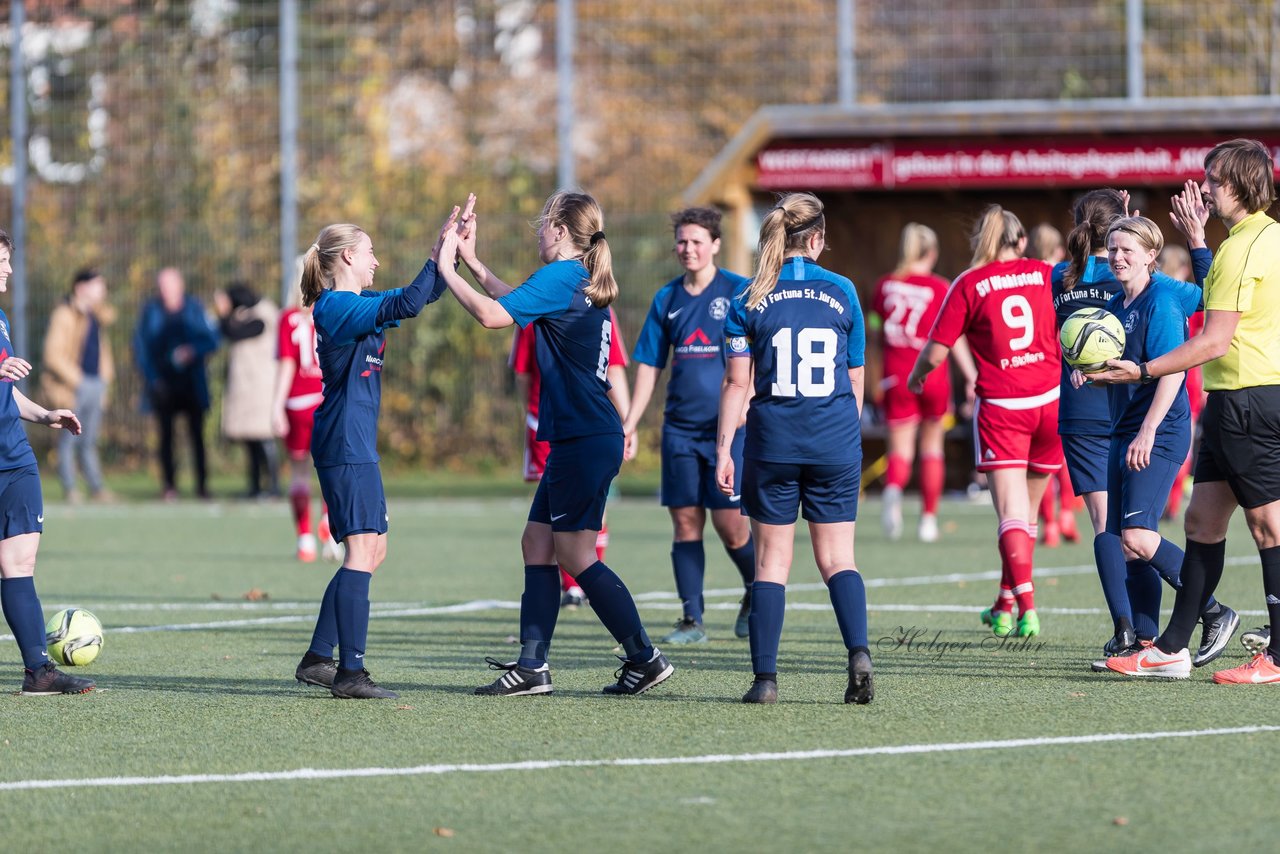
1045	242
580	215
1175	258
786	228
318	262
997	229
916	243
1143	230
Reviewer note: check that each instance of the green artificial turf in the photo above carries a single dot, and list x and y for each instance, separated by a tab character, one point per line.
195	679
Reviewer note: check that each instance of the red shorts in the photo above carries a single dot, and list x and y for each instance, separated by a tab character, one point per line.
535	456
298	440
903	407
1017	438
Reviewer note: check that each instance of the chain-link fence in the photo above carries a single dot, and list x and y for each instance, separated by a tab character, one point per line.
155	138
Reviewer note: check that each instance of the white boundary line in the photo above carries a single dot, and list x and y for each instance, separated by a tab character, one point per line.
554	764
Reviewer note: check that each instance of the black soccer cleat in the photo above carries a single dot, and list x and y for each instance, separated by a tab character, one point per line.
861	688
763	690
316	670
1120	643
742	625
638	677
47	680
1217	634
517	681
356	685
1256	640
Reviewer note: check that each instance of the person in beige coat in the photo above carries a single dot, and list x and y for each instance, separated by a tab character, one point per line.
249	322
77	375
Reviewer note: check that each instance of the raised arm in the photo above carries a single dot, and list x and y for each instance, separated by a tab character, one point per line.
488	311
484	277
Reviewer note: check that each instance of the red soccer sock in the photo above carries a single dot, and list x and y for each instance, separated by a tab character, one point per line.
602	542
1046	513
897	472
1017	550
932	474
300	501
566	580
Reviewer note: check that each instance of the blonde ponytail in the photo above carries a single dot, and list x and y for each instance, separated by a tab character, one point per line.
786	228
997	229
916	244
582	218
319	259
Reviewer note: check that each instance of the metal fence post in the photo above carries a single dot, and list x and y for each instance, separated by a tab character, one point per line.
288	146
565	25
18	138
846	52
1135	68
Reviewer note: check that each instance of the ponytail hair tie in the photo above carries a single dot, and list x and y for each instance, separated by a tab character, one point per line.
315	247
597	237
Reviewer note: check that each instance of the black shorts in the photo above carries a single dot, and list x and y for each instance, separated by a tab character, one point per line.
1240	443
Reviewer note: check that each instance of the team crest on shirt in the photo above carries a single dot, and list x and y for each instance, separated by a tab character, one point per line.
1131	321
719	308
738	344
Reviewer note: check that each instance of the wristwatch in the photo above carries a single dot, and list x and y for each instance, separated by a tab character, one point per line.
1144	375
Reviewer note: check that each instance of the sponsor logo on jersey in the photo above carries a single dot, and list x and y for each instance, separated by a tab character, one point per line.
719	308
374	362
697	346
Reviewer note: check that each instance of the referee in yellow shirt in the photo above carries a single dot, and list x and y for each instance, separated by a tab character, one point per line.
1239	459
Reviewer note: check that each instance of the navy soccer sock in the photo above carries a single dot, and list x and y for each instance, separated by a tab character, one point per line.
1271	586
1201	570
744	558
689	562
351	604
539	609
1143	585
325	638
1108	554
849	598
22	612
1168	562
768	605
616	609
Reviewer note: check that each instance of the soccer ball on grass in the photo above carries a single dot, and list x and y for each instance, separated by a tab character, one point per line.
74	637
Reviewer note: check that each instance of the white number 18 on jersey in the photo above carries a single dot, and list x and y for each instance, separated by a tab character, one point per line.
815	373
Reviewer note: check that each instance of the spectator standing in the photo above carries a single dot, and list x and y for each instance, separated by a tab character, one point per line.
249	323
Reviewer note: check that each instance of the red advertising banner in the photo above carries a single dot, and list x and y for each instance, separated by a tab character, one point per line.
1042	162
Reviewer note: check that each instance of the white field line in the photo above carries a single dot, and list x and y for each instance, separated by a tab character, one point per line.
308	774
655	600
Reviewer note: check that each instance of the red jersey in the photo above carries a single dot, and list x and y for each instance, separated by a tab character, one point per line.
524	361
1005	311
297	342
907	306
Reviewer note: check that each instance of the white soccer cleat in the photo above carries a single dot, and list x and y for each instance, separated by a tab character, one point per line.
891	512
307	548
928	531
1150	661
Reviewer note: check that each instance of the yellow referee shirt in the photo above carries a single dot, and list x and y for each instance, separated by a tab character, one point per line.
1245	277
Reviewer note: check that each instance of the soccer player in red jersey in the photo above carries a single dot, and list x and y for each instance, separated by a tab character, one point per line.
524	363
904	307
299	391
1004	307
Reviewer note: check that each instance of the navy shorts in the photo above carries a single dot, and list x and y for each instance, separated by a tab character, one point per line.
1086	455
357	504
21	502
1240	443
574	488
772	492
1136	499
689	472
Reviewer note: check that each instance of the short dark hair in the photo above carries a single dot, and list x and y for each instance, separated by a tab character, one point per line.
84	274
708	218
1245	166
5	240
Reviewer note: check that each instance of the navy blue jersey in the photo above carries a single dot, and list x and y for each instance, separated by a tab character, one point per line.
691	329
573	351
15	450
351	347
1085	410
1154	323
802	338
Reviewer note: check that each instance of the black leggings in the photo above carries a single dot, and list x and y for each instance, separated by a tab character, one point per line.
166	413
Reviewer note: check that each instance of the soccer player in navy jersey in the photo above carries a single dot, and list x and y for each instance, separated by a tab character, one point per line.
1150	424
568	299
1130	586
800	327
22	513
686	324
351	322
1003	307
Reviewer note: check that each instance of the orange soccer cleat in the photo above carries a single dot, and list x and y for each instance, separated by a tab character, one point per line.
1259	670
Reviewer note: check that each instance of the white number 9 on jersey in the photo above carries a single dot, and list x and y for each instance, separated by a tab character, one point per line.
1016	312
815	373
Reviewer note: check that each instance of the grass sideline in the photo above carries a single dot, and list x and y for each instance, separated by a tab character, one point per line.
217	698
